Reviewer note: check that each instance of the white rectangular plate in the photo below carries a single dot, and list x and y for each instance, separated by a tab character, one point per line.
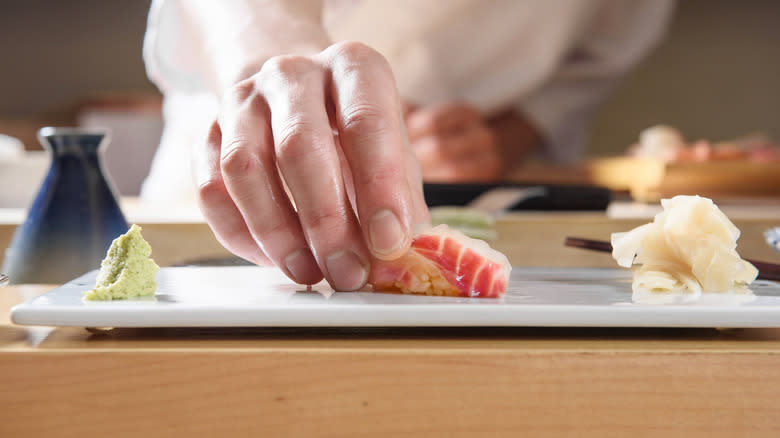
263	297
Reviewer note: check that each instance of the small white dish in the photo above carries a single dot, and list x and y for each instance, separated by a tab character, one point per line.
249	296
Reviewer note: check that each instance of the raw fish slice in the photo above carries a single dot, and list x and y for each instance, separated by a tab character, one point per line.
442	261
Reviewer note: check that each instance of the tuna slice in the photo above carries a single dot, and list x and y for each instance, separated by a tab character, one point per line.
442	261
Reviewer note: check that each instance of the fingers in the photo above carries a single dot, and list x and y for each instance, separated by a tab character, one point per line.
279	185
250	174
466	172
453	144
470	144
218	208
368	118
470	156
309	162
441	120
414	178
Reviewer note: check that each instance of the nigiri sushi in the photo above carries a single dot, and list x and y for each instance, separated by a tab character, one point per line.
443	261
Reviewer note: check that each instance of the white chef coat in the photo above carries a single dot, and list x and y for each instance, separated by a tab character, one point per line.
554	60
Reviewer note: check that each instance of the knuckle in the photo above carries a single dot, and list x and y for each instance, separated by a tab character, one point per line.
357	52
274	230
236	158
380	176
211	191
295	140
326	220
288	66
366	119
351	58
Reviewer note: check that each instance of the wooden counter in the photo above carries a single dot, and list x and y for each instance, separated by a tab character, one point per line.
394	382
178	234
387	383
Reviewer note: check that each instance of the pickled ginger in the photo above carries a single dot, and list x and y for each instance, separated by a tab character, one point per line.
689	247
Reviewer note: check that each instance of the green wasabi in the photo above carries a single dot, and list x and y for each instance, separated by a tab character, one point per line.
127	271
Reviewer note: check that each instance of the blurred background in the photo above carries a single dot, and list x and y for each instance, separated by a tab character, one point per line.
716	76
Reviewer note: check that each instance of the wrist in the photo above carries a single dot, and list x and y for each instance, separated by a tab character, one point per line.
238	37
242	63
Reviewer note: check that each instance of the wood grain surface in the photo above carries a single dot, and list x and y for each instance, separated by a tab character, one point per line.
386	382
389	393
573	382
528	239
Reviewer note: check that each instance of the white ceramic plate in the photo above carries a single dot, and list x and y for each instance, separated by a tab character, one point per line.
262	297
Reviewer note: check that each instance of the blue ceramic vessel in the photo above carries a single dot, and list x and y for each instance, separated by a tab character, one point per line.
75	215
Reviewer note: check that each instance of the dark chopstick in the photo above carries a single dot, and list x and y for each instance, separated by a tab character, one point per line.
595	245
766	271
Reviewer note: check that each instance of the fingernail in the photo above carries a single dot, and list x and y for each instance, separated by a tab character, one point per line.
302	266
386	233
345	270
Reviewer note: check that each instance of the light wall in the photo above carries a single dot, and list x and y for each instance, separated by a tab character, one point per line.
716	75
54	52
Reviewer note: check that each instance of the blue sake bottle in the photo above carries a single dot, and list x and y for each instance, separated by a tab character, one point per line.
74	216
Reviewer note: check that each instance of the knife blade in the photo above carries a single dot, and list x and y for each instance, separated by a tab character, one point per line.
501	199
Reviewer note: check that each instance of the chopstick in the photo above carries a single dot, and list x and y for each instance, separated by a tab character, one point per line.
766	270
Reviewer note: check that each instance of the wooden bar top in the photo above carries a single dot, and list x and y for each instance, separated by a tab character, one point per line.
179	235
386	382
395	382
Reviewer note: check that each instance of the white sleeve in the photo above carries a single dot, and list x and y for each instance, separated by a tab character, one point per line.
202	45
618	35
169	51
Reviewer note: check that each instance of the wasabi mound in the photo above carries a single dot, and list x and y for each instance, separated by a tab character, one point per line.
127	271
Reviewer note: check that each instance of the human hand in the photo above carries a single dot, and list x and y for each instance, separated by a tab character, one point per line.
307	167
453	143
